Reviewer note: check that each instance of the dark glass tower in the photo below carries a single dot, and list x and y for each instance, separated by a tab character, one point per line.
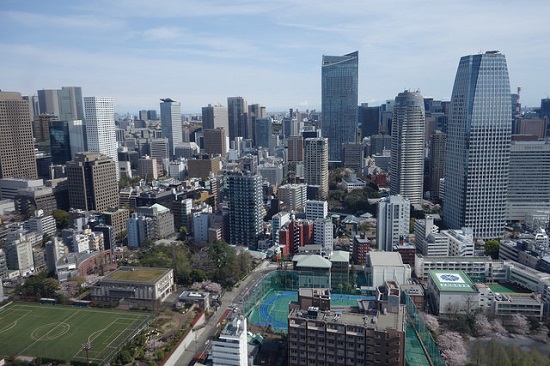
339	76
59	142
478	146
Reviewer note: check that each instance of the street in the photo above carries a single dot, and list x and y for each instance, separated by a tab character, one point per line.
182	357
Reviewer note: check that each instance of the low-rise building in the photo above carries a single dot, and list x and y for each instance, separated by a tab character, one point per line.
452	292
140	286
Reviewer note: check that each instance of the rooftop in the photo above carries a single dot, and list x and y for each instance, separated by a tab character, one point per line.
452	281
137	274
385	259
378	322
312	261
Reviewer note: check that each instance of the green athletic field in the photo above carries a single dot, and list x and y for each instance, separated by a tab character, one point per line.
58	332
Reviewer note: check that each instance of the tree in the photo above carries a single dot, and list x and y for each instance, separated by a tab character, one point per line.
482	327
453	348
491	248
62	219
182	233
180	260
517	324
431	322
497	328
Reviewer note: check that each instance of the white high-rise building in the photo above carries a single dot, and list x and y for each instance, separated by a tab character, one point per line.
478	146
100	127
77	140
407	147
323	235
393	221
316	209
171	123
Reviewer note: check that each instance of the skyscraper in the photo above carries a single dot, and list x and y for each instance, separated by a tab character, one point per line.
263	131
215	141
407	147
171	123
255	112
65	103
214	116
237	112
437	163
60	142
100	127
339	78
478	146
77	133
245	208
316	164
17	159
92	181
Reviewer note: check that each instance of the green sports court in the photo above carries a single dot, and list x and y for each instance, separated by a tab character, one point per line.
59	332
273	309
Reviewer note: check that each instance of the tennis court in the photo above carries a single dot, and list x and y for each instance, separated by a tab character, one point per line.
273	310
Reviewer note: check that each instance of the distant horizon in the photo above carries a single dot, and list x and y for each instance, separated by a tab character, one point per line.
270	53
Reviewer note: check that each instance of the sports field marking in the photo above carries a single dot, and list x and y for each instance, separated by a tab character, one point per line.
63	329
65	321
8	314
100	349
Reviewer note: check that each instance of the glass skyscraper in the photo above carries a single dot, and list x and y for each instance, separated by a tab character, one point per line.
478	146
171	123
407	147
339	78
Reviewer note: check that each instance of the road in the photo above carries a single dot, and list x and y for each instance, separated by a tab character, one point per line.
183	356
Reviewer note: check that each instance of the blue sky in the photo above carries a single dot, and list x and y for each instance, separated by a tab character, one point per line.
269	52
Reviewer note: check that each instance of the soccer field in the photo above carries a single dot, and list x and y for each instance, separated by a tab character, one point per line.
58	332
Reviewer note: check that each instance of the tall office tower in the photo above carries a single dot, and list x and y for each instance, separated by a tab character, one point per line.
369	118
545	108
339	78
48	101
92	181
160	150
393	220
214	116
437	163
237	114
41	130
142	115
379	143
17	158
77	133
295	148
34	108
316	164
244	192
407	147
215	141
529	181
353	156
171	123
478	146
263	131
60	145
293	196
255	112
70	103
100	127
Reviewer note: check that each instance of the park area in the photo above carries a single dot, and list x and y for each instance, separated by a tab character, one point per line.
60	332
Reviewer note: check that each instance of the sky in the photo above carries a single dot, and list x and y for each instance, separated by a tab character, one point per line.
203	51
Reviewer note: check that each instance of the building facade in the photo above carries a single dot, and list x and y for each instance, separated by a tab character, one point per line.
171	123
478	146
393	221
100	128
407	147
17	158
92	181
339	85
316	152
245	208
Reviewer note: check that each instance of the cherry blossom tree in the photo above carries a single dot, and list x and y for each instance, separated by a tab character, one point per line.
453	348
482	326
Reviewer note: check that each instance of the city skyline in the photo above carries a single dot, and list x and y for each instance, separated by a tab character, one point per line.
268	53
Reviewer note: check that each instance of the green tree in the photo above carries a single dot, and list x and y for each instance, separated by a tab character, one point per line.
181	264
183	233
491	248
62	219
